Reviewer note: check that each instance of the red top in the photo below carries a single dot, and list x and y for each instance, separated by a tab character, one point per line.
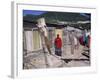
58	42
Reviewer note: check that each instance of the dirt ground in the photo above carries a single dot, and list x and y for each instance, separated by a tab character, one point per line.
38	59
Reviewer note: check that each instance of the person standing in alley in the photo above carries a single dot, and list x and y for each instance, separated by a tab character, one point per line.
74	41
58	45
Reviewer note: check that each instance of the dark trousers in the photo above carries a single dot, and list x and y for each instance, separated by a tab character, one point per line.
58	51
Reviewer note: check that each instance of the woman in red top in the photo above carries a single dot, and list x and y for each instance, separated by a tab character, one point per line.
58	45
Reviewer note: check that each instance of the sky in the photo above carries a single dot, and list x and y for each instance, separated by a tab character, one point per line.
32	12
